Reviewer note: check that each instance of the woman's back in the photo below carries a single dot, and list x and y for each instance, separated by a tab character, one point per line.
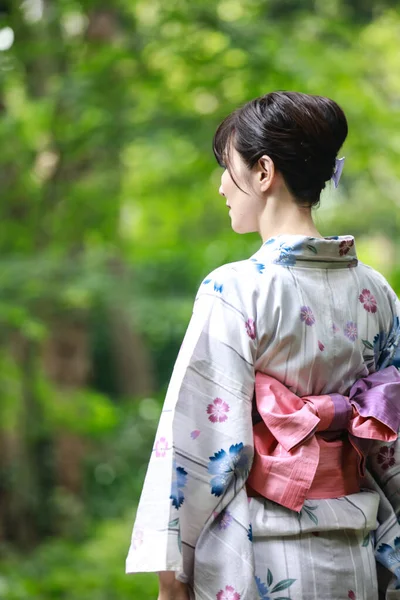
323	320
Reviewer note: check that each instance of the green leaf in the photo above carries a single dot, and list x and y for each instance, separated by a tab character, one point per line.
311	515
368	344
282	585
366	540
179	541
308	511
312	248
269	578
173	523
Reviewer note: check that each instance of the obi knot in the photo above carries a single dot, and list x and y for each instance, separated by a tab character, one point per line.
292	431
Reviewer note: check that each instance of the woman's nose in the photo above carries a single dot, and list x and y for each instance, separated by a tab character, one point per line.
221	191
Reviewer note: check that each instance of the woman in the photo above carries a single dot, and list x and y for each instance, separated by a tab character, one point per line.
303	314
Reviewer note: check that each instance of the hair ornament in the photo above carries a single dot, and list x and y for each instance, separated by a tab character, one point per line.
339	164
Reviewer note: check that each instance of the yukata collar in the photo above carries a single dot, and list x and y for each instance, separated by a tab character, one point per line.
303	251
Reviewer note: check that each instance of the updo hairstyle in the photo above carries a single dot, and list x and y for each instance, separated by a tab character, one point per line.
302	134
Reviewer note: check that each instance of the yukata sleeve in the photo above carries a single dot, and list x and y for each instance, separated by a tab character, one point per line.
204	443
384	467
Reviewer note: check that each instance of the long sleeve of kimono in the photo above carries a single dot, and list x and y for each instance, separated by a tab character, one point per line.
204	443
384	466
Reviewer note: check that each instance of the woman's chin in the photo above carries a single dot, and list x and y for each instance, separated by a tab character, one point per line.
241	227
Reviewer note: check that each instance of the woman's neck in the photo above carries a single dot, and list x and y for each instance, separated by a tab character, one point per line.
282	215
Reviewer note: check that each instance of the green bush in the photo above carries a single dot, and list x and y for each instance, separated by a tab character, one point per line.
94	570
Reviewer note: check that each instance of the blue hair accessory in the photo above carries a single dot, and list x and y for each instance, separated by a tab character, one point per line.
339	164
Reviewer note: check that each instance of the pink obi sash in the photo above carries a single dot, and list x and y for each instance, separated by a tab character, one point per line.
316	446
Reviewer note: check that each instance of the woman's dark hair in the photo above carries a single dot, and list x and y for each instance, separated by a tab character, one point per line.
302	135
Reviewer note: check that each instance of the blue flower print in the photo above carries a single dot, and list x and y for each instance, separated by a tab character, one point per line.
259	266
378	345
286	260
396	358
205	281
223	466
264	590
250	532
389	557
270	241
385	346
287	256
218	287
179	480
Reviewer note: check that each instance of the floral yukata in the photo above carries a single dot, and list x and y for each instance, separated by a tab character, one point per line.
305	312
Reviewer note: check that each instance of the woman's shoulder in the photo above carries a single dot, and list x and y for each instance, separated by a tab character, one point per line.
239	273
375	278
235	283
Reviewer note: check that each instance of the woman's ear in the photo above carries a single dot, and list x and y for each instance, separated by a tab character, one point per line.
266	172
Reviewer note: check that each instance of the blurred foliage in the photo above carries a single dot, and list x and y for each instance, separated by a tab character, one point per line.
70	571
107	126
110	217
87	560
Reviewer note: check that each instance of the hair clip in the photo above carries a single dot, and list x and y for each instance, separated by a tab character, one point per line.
339	164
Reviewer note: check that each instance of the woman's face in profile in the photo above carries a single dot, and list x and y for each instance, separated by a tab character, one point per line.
245	206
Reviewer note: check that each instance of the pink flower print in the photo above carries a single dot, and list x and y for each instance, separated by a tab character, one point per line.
195	434
228	593
345	246
226	520
217	411
386	458
251	328
368	301
350	331
351	595
161	447
321	346
137	539
306	315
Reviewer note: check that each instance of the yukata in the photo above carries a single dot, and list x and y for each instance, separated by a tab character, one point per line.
307	313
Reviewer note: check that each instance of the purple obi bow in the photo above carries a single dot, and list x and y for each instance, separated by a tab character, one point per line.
376	396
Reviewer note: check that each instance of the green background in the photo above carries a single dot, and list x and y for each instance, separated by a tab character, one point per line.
109	219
